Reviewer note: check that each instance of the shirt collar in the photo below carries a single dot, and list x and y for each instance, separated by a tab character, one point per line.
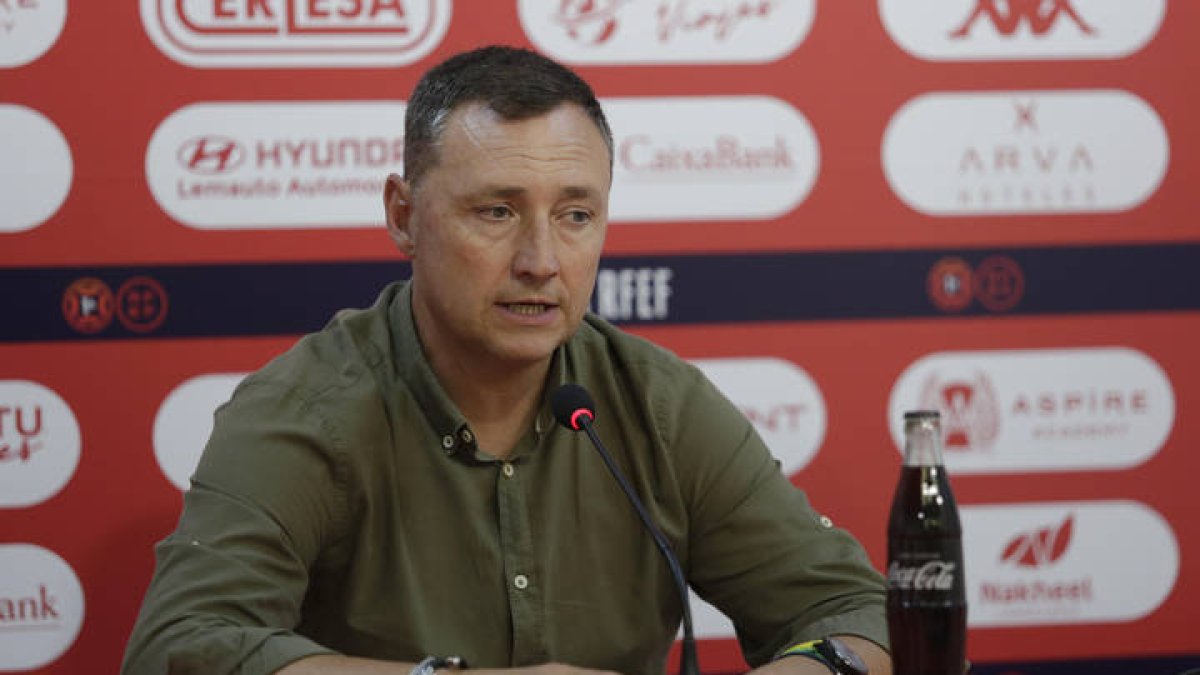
414	371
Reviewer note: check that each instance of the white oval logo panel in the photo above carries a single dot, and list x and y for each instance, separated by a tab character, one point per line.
39	443
779	398
41	607
709	158
972	30
288	34
1040	410
669	31
276	165
35	168
1025	152
28	29
185	421
1066	562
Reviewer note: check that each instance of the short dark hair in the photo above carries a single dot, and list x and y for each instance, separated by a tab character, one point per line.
514	83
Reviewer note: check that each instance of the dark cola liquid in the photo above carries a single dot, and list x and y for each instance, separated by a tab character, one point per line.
926	604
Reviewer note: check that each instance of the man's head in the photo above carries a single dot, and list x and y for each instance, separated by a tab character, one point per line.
503	211
514	83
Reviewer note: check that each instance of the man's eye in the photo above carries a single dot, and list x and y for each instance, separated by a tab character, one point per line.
579	217
497	212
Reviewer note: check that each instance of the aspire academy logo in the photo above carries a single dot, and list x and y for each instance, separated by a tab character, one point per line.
970	412
295	33
666	31
963	30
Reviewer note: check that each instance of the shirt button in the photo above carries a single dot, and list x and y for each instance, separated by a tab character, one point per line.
447	441
508	470
521	582
826	522
466	436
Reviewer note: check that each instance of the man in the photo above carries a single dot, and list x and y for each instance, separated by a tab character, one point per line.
394	487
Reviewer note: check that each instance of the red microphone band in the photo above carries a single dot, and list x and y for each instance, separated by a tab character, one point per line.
582	412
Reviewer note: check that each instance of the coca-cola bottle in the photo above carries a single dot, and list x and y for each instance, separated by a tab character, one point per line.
926	602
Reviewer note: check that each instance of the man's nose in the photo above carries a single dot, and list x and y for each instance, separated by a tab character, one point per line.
537	252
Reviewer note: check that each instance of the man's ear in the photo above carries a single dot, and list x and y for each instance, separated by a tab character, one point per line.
397	205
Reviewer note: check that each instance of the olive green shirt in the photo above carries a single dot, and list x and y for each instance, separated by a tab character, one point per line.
342	505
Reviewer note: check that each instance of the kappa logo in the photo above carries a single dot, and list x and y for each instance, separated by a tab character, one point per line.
976	30
970	411
1041	547
296	33
211	155
1040	16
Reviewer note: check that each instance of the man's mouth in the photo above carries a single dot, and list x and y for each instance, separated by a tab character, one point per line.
526	308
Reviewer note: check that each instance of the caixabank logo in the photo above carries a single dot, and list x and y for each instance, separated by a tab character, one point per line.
1025	152
975	30
41	607
1066	563
1040	410
709	158
632	32
276	165
295	33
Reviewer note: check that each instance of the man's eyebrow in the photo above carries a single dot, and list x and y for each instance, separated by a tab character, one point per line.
511	192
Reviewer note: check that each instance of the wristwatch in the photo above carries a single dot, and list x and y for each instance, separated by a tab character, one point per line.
430	664
835	654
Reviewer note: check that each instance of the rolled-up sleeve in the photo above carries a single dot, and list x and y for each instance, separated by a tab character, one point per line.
757	549
266	498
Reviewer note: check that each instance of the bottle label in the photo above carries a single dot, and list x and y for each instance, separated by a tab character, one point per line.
934	575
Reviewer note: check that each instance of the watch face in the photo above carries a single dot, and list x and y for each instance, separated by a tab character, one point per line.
846	660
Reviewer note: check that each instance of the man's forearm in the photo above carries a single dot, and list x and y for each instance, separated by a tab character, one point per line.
878	661
345	665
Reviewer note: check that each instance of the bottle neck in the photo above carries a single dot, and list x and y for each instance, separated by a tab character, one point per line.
922	442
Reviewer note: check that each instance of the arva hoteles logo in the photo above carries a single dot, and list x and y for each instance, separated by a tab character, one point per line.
974	30
1016	153
295	33
631	32
1040	410
1066	563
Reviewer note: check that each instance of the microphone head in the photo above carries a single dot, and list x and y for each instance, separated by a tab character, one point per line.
571	403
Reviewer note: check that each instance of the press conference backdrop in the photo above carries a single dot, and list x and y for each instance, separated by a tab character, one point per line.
839	210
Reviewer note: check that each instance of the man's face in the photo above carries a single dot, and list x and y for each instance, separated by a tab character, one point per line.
505	233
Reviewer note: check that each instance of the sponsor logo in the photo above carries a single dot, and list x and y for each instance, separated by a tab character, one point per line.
184	422
41	607
968	30
276	165
28	29
1040	410
141	304
953	285
87	305
1055	563
1012	153
709	158
780	399
667	31
295	33
633	293
935	575
39	443
35	168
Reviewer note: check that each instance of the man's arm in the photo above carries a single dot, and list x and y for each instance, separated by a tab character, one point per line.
878	661
346	665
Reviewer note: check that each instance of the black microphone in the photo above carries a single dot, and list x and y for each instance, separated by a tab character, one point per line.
574	409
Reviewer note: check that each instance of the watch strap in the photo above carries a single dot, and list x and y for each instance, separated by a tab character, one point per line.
810	650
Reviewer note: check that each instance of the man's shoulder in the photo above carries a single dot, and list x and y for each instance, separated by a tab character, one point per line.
599	339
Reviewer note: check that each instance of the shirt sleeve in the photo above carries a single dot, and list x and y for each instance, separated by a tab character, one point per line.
229	583
757	549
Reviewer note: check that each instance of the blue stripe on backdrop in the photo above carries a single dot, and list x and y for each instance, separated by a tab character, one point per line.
1172	665
293	298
